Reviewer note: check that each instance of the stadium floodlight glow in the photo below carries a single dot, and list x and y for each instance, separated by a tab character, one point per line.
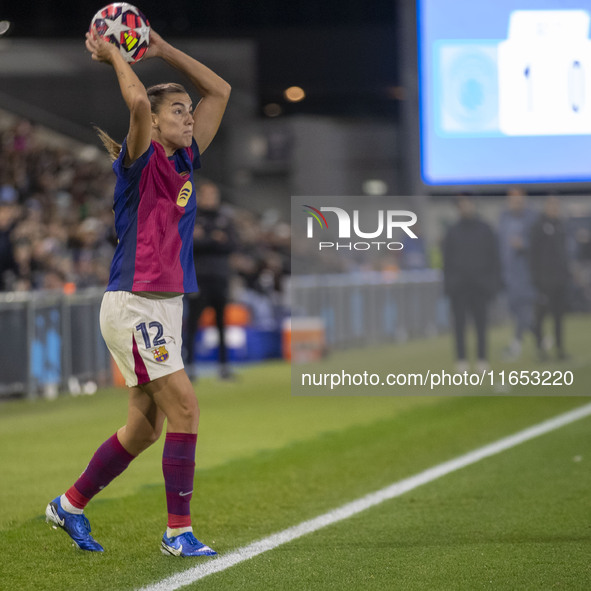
374	187
294	94
4	27
272	110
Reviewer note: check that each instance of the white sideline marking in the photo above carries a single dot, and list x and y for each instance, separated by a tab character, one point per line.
345	511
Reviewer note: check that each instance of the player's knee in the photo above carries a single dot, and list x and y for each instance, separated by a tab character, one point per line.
188	408
138	441
148	438
153	437
185	411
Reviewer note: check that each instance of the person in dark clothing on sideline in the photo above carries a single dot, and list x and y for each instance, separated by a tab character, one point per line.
214	239
8	265
472	277
550	273
515	225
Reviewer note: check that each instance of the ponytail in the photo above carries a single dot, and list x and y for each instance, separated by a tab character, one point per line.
113	148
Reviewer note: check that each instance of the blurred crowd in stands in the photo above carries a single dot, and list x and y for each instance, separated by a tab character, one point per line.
57	231
55	217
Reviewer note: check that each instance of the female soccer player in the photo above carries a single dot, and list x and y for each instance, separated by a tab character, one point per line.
141	312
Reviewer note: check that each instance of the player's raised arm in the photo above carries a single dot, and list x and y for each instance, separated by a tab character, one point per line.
214	91
133	92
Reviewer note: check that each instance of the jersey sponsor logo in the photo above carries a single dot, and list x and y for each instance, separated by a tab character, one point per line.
160	354
184	194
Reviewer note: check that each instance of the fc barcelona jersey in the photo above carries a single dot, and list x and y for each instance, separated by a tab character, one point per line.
154	219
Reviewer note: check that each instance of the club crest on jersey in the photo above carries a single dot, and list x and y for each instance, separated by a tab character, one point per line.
160	354
184	194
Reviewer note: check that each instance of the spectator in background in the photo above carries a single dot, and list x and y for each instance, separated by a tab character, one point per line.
261	265
91	254
413	257
582	269
9	270
550	273
214	239
471	271
514	232
23	254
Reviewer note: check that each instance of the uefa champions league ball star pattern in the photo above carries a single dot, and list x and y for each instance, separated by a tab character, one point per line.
125	26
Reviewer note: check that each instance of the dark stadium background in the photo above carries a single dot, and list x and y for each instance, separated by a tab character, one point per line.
339	49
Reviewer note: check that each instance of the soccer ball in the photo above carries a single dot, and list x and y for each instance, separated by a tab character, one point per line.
126	27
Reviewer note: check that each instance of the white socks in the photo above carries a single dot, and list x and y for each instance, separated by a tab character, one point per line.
67	506
177	531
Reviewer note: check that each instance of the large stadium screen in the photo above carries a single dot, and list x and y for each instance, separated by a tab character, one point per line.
505	91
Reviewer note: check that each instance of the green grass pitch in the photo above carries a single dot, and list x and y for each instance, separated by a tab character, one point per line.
267	460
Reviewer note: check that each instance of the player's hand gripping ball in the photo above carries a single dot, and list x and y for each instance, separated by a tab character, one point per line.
126	27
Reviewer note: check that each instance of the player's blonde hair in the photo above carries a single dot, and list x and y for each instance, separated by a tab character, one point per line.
156	94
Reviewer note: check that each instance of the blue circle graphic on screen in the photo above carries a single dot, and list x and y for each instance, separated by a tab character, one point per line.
469	90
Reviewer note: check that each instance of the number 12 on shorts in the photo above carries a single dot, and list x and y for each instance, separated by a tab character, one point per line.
158	340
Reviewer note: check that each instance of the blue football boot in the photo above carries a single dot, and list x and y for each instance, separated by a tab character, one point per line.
185	545
76	526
